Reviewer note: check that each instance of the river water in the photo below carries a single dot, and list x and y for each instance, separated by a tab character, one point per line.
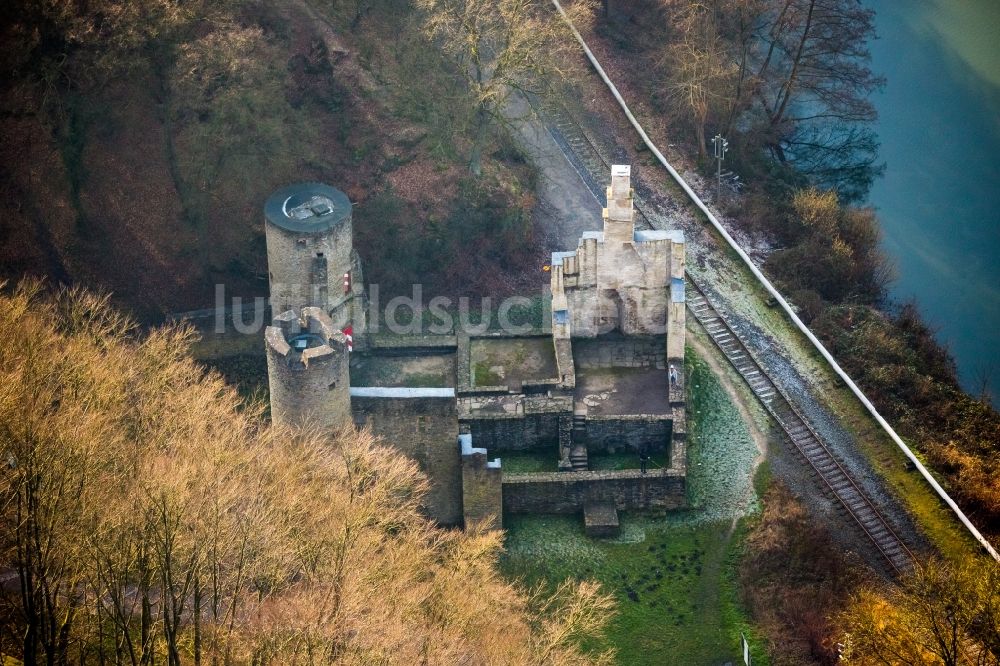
939	201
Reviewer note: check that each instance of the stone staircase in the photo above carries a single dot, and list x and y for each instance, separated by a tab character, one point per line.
578	454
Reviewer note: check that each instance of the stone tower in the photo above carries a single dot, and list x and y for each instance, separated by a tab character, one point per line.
310	255
621	279
307	370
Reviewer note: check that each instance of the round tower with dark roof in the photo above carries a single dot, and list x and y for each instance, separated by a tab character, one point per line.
309	248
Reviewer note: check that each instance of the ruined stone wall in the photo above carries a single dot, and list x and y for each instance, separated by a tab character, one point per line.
516	433
620	352
676	310
678	440
626	291
413	345
567	492
615	434
482	495
632	277
564	359
619	279
426	430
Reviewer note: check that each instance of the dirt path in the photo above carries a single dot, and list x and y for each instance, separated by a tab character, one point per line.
566	206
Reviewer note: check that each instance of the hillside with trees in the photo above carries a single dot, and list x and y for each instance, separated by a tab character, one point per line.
788	83
151	516
141	140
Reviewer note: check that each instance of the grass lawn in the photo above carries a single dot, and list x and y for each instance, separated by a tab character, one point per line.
630	460
671	574
517	462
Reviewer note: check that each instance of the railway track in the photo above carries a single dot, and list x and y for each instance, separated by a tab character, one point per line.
591	165
806	440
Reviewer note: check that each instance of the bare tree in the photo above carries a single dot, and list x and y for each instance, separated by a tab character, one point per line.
943	613
700	76
812	84
152	517
499	48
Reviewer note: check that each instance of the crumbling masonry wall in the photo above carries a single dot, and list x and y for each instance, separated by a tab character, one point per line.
619	279
625	352
482	494
615	434
517	432
568	492
425	428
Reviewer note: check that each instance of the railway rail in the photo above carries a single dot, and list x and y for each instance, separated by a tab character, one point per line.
803	436
580	150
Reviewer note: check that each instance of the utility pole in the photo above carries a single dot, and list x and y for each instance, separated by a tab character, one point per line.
721	146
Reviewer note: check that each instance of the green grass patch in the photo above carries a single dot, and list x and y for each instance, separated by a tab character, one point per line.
675	602
484	376
424	380
735	617
629	460
720	449
520	462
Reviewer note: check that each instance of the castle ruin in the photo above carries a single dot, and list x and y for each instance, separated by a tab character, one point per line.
589	411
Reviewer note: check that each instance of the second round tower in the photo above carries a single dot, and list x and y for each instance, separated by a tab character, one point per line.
308	371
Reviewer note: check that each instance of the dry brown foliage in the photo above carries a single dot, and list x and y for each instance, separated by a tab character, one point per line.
941	614
500	48
150	516
793	578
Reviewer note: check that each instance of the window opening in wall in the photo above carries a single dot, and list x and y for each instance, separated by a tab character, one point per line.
301	242
332	386
319	254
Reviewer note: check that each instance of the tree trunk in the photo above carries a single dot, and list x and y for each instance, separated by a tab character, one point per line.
479	141
786	90
197	620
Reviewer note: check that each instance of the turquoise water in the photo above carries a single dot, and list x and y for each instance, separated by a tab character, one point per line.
939	201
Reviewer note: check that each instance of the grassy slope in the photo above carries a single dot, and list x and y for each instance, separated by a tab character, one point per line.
673	575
